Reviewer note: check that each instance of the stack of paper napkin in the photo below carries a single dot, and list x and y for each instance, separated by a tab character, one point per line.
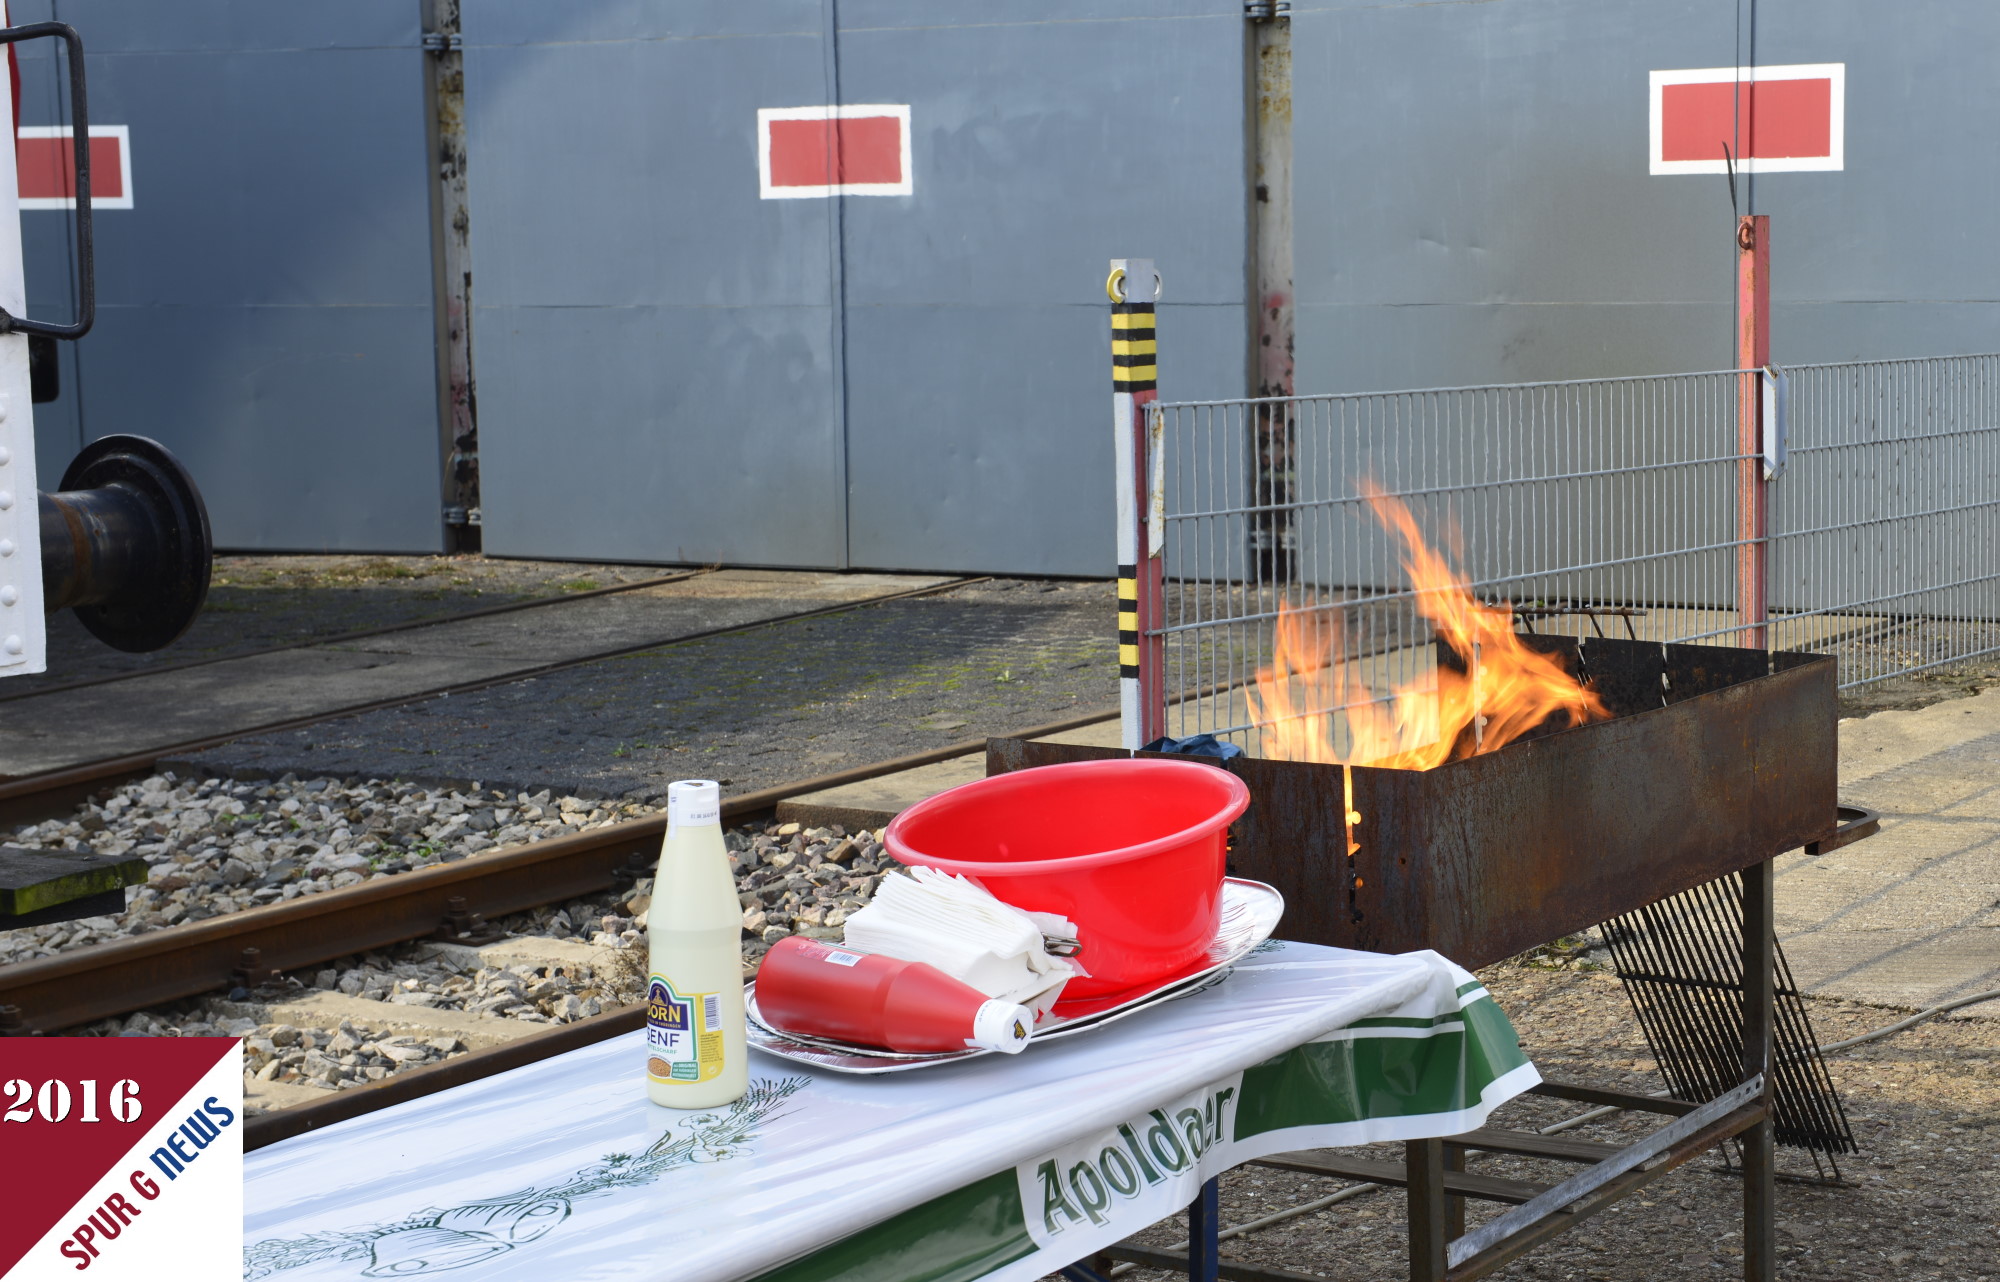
959	927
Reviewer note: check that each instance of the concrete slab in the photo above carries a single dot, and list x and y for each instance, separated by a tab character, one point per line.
318	1008
750	709
289	599
597	624
821	584
530	950
1911	916
872	803
157	710
147	713
268	1097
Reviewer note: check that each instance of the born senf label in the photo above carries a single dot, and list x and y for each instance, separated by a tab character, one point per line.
683	1033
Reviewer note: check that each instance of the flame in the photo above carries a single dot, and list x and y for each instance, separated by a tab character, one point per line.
1506	690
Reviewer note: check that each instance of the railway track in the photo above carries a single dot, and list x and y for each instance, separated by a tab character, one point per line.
33	797
120	976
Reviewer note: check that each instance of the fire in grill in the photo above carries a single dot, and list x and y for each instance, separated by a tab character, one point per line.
1712	760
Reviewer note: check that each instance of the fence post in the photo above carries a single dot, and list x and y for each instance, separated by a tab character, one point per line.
1753	353
1141	501
1271	326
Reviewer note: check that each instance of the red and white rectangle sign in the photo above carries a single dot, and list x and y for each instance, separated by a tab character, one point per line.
833	151
1771	119
45	163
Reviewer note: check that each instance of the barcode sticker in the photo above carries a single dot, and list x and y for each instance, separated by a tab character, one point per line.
711	1012
839	958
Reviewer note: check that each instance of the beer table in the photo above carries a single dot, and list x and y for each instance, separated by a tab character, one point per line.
1003	1167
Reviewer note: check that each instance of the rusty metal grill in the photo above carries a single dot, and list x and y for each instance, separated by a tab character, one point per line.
1660	824
1714	759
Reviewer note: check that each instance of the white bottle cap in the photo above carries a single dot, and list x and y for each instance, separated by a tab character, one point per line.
693	802
1001	1026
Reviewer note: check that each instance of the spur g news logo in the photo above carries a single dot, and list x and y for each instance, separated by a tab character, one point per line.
136	1145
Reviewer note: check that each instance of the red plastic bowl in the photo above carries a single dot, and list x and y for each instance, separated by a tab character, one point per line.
1132	851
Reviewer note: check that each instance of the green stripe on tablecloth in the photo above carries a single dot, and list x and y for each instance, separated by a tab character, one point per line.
965	1234
1409	1021
1358	1078
972	1231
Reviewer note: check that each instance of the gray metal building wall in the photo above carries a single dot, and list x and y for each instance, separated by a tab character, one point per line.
265	308
1895	256
654	345
1474	203
672	369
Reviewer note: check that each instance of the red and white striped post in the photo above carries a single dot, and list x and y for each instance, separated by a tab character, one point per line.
1134	288
1753	353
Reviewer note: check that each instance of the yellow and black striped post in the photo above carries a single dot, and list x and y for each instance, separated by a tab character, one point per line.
1134	288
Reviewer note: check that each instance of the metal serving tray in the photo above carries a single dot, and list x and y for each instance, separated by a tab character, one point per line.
1250	913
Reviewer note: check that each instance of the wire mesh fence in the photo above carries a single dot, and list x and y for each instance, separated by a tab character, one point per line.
1601	507
1885	526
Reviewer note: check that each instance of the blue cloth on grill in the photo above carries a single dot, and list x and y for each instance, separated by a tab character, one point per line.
1200	745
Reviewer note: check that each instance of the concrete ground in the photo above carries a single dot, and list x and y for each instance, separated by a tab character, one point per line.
753	709
255	602
1911	916
149	711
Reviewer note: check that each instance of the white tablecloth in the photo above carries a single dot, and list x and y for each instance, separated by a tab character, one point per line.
1004	1167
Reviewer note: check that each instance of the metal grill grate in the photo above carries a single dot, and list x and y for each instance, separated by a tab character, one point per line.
1681	961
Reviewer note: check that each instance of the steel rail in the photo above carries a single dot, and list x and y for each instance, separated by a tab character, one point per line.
363	634
260	1129
137	971
26	798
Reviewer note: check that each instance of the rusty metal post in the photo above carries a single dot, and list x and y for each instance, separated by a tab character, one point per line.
1454	1205
1760	1241
1753	352
1134	289
1423	1162
451	256
1272	539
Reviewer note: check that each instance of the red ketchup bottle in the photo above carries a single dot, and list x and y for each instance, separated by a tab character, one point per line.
824	990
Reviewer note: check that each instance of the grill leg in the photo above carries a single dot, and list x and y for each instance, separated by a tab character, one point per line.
1454	1206
1424	1165
1204	1227
1760	1242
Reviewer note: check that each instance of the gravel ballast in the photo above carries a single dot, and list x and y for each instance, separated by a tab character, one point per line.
218	846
